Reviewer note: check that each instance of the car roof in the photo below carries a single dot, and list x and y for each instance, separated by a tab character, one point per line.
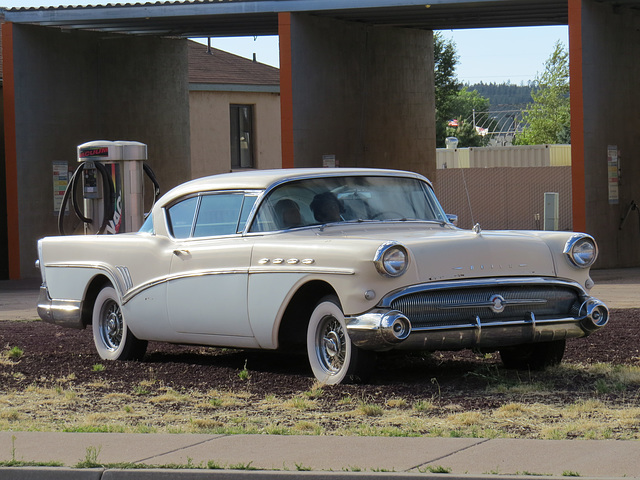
262	179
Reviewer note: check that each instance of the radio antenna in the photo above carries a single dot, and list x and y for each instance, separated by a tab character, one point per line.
464	181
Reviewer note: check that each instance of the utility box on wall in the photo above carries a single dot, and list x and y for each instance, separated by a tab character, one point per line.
551	210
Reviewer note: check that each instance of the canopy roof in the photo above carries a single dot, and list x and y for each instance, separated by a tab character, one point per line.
196	18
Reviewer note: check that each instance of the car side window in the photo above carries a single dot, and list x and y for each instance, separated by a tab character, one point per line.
247	206
180	217
219	214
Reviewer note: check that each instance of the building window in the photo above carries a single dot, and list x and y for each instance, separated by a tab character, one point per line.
241	136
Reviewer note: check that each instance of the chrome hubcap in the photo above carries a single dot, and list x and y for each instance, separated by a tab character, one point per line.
111	325
332	344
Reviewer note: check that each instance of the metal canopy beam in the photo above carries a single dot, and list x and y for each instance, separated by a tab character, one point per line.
260	17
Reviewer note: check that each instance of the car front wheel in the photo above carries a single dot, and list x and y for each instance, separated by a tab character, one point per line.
111	335
533	356
332	356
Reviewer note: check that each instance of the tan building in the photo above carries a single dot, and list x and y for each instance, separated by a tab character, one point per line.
234	106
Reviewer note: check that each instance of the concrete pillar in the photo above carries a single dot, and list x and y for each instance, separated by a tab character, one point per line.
67	88
609	76
362	94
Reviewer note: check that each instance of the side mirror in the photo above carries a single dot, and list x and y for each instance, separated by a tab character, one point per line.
453	219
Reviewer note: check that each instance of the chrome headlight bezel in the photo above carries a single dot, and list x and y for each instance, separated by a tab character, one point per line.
581	250
391	259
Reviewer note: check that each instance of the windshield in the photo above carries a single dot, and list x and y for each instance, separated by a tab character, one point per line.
347	199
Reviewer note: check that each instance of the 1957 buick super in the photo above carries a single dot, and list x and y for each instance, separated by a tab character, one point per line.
340	262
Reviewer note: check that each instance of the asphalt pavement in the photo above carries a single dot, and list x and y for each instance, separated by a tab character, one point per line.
258	457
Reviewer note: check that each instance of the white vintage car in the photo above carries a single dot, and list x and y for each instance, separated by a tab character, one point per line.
340	262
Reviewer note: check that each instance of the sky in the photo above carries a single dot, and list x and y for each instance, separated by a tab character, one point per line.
494	55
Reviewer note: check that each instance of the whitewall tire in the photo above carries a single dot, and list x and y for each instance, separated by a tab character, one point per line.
332	356
111	335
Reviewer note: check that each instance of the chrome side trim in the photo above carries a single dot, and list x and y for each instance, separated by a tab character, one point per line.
168	278
114	275
126	276
478	282
301	269
236	271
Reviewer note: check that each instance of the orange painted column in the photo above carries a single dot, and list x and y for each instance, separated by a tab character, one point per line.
11	158
286	93
578	185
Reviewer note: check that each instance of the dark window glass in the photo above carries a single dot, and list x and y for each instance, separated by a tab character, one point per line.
241	136
181	216
219	215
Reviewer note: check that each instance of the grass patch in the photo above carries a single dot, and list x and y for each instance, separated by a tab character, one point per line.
301	403
529	405
14	353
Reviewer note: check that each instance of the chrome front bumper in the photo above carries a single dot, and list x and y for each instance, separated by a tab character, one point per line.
385	328
66	313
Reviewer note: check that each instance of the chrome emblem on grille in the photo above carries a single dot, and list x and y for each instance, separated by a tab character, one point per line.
497	303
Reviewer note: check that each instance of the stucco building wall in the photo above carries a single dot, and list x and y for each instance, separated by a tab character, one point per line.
210	130
73	87
363	94
610	77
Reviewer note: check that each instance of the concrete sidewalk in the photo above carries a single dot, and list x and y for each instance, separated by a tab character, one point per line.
386	457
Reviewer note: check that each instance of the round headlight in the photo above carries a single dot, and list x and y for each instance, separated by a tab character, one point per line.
581	250
391	259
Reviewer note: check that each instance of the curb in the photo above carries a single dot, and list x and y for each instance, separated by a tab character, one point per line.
63	473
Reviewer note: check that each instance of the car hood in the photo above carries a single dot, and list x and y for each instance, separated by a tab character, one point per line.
442	252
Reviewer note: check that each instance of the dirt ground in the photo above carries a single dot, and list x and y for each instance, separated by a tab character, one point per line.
459	379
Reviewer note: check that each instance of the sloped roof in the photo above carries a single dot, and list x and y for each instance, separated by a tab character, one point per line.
215	66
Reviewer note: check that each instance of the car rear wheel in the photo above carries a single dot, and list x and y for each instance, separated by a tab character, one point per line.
111	335
533	356
332	356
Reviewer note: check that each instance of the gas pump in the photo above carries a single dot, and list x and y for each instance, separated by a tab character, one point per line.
111	174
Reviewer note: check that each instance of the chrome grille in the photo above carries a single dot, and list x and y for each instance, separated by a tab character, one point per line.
490	304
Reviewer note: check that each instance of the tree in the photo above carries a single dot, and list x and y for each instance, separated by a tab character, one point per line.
453	101
446	84
548	118
463	106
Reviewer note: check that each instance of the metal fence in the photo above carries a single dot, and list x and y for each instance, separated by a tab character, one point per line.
504	197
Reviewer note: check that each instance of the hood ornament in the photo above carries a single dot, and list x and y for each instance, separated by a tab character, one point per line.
477	229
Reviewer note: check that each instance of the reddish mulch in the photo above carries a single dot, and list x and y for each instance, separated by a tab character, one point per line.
51	352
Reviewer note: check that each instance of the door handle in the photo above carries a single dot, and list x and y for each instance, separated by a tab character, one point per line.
181	252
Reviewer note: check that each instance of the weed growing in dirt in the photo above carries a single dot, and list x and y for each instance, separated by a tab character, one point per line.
435	469
244	373
90	458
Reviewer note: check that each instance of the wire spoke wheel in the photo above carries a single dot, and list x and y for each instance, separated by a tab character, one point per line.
331	345
111	325
332	356
111	335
